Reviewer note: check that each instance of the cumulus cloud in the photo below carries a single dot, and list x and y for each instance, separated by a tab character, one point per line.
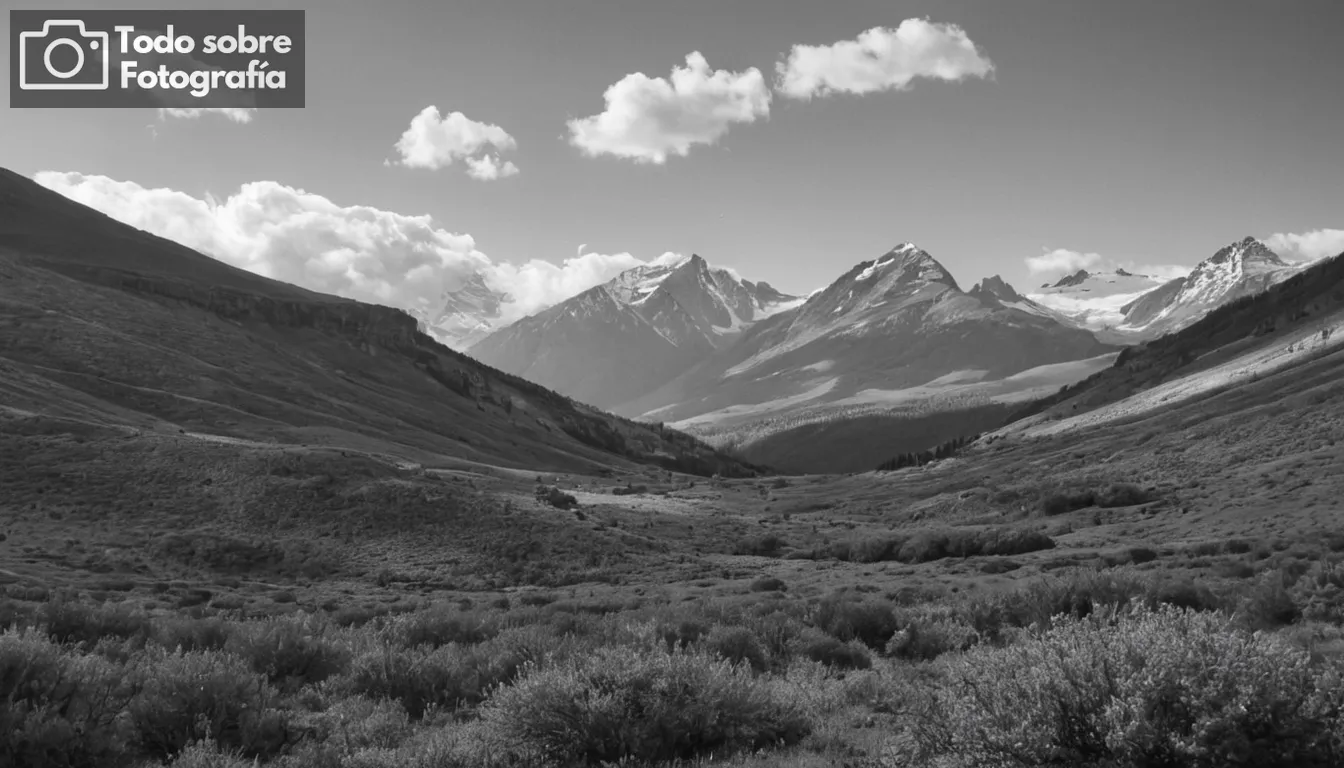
354	251
538	284
1308	246
1062	260
489	168
435	141
235	114
648	118
881	59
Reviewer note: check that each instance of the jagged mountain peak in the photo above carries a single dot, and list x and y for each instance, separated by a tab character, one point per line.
995	286
1077	278
1247	250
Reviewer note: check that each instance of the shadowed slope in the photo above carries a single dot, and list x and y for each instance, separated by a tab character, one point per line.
106	323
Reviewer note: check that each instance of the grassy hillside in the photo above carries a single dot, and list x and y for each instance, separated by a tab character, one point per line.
112	325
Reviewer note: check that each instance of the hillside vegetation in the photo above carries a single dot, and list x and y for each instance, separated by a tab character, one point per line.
108	323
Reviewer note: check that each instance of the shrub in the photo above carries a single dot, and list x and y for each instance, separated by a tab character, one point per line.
737	645
1268	604
208	755
188	634
825	649
764	545
777	633
190	696
679	633
927	638
1320	593
1077	593
71	621
549	494
623	703
868	621
1146	687
1122	495
768	584
291	651
451	676
58	707
349	727
442	625
1067	501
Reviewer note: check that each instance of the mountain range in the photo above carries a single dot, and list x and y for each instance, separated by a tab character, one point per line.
619	340
1128	308
693	345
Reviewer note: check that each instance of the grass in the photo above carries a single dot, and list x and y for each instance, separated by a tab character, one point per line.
972	680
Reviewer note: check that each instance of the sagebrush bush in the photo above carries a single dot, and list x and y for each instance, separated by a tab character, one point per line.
290	651
450	676
191	696
59	707
69	620
1319	593
1141	686
817	646
441	625
869	621
347	728
924	638
768	584
188	634
207	754
739	646
628	703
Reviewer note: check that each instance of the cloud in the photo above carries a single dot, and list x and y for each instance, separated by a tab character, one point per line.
235	114
646	119
489	168
538	284
881	59
1062	260
354	251
435	141
1308	246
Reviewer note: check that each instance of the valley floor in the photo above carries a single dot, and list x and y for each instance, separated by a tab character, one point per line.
362	609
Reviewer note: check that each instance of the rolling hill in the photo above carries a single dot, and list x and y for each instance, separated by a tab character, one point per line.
107	324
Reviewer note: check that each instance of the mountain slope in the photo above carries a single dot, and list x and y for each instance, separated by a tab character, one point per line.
465	314
897	321
620	340
1299	317
1243	268
109	324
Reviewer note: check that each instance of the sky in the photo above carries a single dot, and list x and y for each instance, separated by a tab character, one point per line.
548	144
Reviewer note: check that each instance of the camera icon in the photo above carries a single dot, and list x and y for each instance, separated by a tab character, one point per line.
40	71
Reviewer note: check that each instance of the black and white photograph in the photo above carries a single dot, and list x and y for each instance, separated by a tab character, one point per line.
652	384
